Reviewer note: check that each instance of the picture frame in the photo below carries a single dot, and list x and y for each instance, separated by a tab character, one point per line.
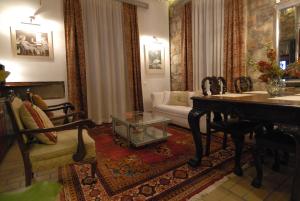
30	41
154	58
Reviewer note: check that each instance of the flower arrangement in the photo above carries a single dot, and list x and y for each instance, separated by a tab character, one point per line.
270	69
293	70
3	74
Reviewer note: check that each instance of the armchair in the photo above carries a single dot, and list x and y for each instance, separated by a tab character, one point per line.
73	145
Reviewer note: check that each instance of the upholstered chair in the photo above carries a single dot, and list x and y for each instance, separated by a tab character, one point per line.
73	143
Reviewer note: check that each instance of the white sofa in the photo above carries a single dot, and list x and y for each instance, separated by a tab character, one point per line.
177	114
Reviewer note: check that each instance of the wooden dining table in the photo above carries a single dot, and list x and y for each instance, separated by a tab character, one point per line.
258	107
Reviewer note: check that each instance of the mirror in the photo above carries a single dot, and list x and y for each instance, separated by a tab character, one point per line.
287	32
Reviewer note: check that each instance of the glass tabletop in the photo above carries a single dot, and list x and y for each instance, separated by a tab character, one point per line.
138	118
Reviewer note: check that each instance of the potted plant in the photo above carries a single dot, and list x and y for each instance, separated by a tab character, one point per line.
3	75
271	73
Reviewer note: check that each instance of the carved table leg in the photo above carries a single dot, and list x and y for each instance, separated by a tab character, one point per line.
296	183
238	139
194	117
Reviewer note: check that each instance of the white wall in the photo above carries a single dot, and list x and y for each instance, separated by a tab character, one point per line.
12	13
154	22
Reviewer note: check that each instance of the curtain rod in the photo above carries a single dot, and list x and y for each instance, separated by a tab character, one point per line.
137	3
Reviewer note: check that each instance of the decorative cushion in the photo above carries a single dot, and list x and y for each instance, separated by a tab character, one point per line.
33	118
166	97
40	102
179	98
192	94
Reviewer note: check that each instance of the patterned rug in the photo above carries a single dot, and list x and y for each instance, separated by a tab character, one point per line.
154	172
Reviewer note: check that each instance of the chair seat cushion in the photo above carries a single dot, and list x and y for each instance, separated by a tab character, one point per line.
43	156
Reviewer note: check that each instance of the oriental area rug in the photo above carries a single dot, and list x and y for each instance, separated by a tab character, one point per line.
154	172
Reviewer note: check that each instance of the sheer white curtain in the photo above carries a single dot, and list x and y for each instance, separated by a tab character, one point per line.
208	32
105	58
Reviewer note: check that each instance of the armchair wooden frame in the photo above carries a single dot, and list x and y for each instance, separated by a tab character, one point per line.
24	148
66	107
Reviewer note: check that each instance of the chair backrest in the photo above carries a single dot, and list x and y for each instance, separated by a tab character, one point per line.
243	84
216	85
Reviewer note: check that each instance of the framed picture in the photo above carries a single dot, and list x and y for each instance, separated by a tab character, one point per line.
29	41
155	58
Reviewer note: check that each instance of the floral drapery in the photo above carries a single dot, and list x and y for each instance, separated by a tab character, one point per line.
75	54
234	41
186	46
132	56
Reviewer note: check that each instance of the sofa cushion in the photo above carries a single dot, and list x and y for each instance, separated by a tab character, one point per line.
166	97
178	98
174	109
192	94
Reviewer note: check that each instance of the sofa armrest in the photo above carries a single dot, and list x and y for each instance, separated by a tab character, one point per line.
157	98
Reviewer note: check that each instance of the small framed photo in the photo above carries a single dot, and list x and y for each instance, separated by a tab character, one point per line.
30	41
155	58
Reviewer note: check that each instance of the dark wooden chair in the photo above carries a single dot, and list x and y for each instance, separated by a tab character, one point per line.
279	139
73	145
222	123
213	85
243	84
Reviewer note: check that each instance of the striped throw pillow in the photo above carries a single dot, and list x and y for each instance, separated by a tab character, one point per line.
33	118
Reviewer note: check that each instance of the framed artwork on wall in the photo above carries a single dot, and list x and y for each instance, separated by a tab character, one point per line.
31	42
154	58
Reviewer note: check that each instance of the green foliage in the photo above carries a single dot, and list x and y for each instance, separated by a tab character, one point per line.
3	75
42	191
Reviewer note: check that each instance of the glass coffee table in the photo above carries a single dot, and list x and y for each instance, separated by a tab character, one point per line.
140	128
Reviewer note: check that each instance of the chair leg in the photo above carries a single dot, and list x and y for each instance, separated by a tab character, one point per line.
208	135
28	176
238	139
285	159
276	165
93	168
257	152
225	140
251	135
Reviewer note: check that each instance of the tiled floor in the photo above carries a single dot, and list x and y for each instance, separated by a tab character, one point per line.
276	186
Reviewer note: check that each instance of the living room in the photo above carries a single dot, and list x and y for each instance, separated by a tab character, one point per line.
149	100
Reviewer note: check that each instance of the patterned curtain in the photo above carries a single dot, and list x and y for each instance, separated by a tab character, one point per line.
132	55
76	70
234	44
187	48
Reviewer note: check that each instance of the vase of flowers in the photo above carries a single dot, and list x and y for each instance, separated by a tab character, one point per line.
271	73
3	75
293	70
